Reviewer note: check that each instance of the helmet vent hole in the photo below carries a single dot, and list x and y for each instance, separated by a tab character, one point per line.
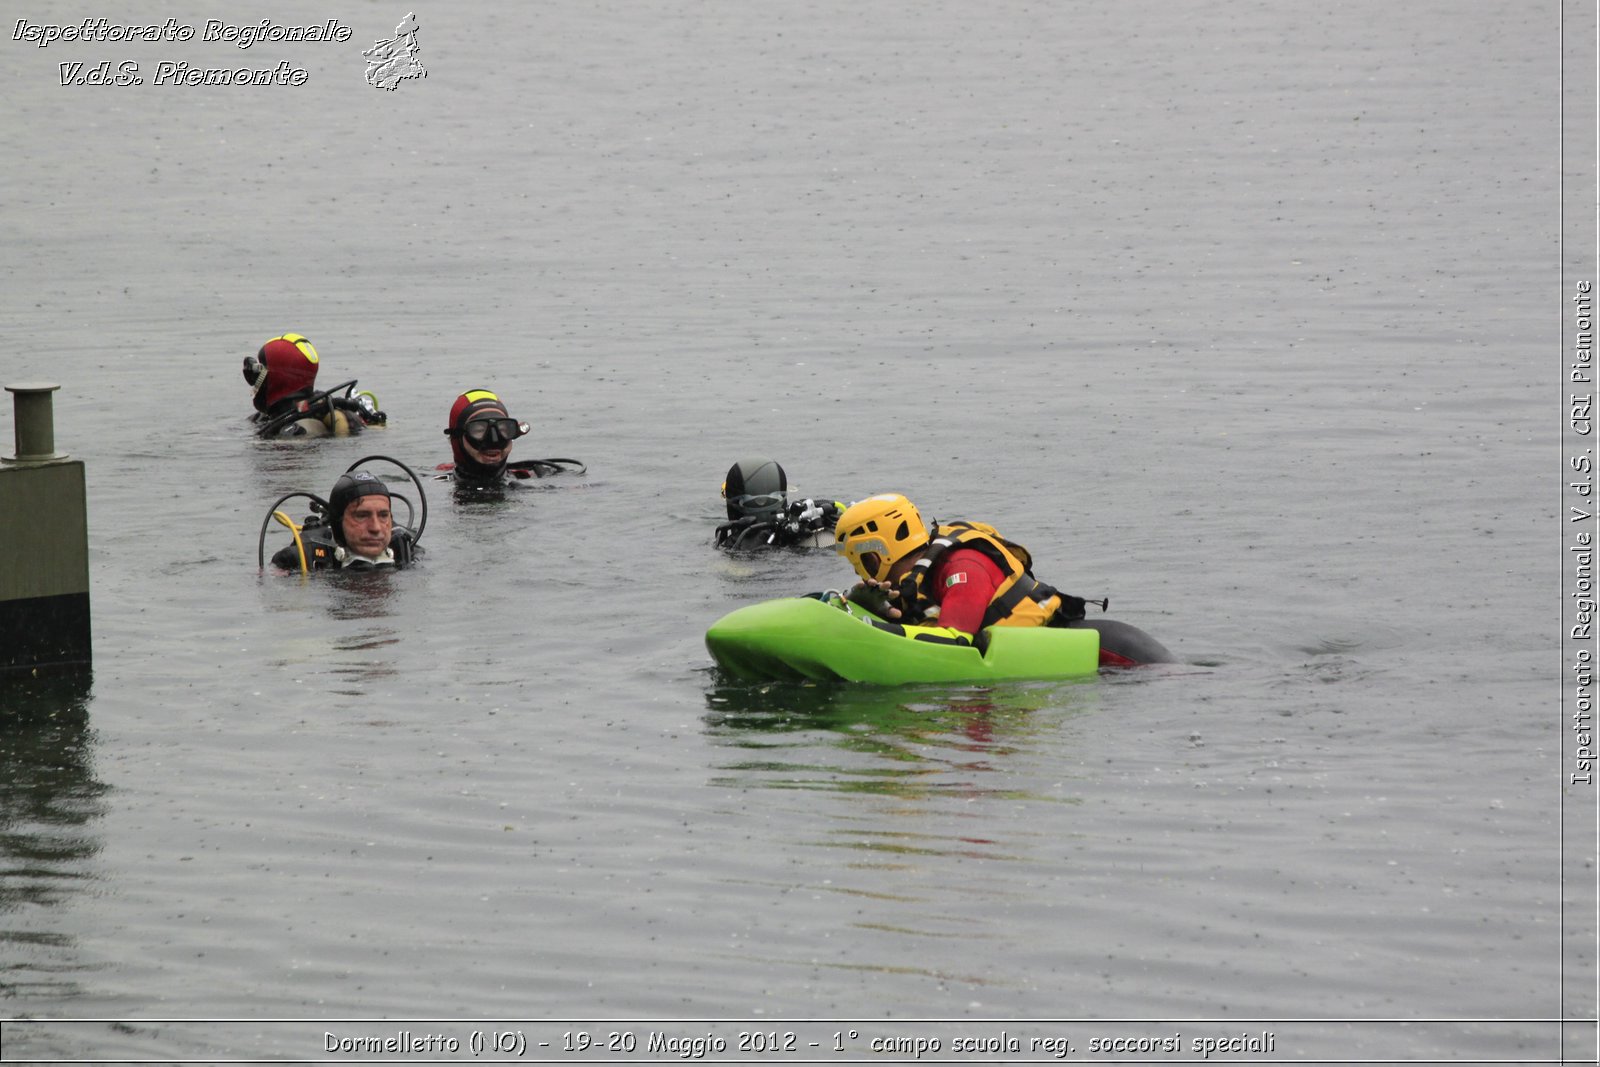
903	532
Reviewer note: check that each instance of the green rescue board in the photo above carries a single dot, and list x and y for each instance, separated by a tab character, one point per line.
805	638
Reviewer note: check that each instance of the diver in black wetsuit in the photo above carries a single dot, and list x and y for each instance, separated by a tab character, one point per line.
481	433
760	513
354	529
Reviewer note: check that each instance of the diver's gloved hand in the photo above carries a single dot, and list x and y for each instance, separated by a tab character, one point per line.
361	404
875	597
369	409
812	516
805	514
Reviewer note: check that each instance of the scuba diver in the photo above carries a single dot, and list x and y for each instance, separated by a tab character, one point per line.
353	529
481	433
963	576
760	513
282	379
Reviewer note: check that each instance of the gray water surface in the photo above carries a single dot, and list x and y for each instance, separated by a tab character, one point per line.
1236	314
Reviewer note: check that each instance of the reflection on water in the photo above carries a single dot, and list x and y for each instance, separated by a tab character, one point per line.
356	595
906	742
927	806
352	641
50	802
286	464
354	664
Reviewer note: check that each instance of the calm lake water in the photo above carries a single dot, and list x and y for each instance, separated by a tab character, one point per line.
1243	315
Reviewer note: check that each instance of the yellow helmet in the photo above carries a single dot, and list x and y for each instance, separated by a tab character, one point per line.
878	532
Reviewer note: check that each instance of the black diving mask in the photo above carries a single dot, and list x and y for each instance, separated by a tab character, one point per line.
759	503
255	372
493	433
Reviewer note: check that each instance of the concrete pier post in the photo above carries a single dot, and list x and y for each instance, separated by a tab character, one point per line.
44	544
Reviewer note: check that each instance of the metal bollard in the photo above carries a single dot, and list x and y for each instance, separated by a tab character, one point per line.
36	422
44	544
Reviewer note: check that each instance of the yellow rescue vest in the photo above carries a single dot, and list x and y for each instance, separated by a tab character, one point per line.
1020	600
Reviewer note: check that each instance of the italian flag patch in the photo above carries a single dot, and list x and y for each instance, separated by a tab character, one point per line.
956	579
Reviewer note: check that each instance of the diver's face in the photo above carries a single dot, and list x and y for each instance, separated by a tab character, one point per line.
368	526
487	436
489	455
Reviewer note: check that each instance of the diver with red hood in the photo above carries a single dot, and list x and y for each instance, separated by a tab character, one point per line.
283	382
481	433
